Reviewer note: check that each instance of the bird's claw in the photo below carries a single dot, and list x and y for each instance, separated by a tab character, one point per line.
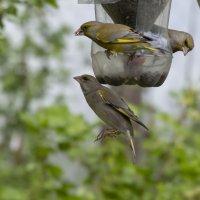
109	53
131	57
106	132
100	136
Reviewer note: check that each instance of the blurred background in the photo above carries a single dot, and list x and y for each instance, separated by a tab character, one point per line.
47	130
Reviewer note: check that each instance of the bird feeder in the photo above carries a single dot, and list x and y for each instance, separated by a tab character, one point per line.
147	68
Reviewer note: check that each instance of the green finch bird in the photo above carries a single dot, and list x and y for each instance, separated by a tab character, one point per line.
180	41
109	106
116	37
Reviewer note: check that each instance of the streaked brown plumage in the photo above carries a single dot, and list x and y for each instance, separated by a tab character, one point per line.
109	106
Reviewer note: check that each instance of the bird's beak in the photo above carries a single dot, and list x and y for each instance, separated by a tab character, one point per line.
77	78
185	50
79	32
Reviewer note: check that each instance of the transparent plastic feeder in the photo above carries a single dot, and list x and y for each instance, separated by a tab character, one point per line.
147	68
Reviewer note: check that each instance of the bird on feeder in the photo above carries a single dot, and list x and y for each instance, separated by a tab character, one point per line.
117	38
122	38
180	41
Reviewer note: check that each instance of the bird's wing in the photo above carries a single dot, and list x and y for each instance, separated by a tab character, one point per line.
118	34
131	38
119	104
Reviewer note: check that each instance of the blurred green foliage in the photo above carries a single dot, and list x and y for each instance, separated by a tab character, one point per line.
10	9
47	152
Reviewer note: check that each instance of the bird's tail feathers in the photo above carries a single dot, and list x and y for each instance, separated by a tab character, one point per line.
140	123
135	119
132	145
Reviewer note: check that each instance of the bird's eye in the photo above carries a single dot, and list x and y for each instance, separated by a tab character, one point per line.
85	78
186	43
83	28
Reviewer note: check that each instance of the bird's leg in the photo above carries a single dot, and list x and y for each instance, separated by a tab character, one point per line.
131	57
106	132
101	135
111	132
109	53
136	58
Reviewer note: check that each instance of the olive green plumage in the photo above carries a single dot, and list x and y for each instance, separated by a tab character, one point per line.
180	41
109	106
115	37
122	38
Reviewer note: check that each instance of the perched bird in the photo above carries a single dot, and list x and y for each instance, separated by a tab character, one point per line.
109	106
115	37
180	41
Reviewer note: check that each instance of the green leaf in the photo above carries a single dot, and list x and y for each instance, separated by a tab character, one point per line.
11	10
53	3
53	170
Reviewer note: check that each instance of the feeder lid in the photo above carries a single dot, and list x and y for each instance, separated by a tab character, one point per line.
139	14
